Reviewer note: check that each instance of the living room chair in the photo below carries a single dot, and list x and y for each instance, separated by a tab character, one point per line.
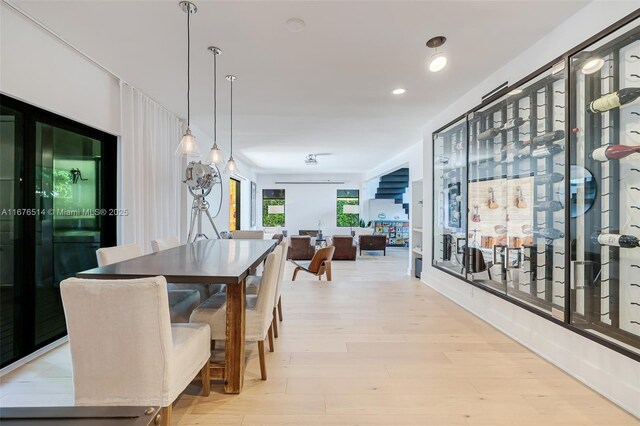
248	235
301	248
259	310
181	302
205	290
346	247
373	242
124	349
319	265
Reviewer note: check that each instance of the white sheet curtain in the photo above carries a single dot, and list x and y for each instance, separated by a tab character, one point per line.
150	186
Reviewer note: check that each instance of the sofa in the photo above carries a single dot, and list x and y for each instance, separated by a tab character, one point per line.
373	242
346	248
301	248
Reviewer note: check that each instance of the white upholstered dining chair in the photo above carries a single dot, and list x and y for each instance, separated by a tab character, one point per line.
124	349
253	286
258	310
181	301
205	290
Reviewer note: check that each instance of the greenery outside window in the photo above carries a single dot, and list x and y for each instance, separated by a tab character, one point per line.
350	197
273	198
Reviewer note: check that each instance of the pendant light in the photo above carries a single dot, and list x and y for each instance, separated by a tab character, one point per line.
232	167
188	146
215	156
438	60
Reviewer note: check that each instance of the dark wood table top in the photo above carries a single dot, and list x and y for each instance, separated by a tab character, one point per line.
205	261
78	416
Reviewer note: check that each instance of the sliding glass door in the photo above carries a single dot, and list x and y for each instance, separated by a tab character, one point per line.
54	215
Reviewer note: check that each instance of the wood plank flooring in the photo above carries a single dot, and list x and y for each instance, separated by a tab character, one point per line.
374	347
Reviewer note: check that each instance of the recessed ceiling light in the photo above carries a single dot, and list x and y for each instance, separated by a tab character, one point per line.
398	91
592	65
438	60
514	92
295	25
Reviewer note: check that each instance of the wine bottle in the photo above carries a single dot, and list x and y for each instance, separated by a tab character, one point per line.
552	206
513	123
550	233
549	178
489	134
616	240
548	137
613	152
614	100
546	151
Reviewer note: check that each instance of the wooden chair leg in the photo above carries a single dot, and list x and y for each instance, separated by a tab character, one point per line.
165	415
263	364
206	379
274	323
327	265
295	273
270	334
280	307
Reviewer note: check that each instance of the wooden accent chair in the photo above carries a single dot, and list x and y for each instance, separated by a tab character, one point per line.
346	247
318	266
259	310
124	350
301	248
182	301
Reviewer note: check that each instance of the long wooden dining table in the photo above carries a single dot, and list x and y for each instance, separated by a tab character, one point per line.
204	262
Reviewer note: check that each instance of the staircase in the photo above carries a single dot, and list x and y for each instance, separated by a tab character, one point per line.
392	186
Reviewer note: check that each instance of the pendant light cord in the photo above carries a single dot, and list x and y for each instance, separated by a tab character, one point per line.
188	67
215	97
231	114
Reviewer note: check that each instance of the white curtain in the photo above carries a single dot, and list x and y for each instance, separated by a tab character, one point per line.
150	173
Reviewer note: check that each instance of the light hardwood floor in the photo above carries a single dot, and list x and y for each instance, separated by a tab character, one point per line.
373	347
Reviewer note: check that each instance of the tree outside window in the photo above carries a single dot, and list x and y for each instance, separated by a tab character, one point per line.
273	216
347	197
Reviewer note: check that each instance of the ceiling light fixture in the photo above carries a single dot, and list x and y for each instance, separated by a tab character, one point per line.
215	156
399	91
514	92
232	167
438	60
592	65
311	160
188	146
295	25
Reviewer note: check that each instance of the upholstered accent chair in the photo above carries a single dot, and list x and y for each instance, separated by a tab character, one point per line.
373	242
205	290
259	310
319	265
248	235
181	301
346	247
124	349
301	248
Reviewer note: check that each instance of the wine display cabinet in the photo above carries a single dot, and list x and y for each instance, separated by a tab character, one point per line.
537	191
605	186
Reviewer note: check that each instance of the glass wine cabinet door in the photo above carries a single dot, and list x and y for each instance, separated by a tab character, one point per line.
450	207
516	198
605	187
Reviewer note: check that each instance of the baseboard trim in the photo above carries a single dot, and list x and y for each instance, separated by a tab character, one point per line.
22	361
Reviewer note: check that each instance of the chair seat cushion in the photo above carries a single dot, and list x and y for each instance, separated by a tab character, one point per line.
182	303
191	349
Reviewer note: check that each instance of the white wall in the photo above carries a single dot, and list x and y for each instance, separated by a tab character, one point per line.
614	375
38	69
388	207
305	204
410	157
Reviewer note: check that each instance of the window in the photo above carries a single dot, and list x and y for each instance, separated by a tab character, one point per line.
349	216
273	207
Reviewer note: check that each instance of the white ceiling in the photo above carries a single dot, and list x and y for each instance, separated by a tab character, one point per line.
325	89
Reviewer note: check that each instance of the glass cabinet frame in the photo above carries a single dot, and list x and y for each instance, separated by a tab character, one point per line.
559	289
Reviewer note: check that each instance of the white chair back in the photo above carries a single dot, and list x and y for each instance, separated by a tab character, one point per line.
283	260
165	244
248	235
120	339
268	284
108	255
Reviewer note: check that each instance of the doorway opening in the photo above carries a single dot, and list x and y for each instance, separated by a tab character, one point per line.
234	204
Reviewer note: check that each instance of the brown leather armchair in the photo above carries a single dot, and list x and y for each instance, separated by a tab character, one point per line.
373	242
346	247
301	248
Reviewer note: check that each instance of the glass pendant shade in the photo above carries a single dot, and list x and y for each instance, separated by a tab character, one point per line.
188	146
215	156
232	167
